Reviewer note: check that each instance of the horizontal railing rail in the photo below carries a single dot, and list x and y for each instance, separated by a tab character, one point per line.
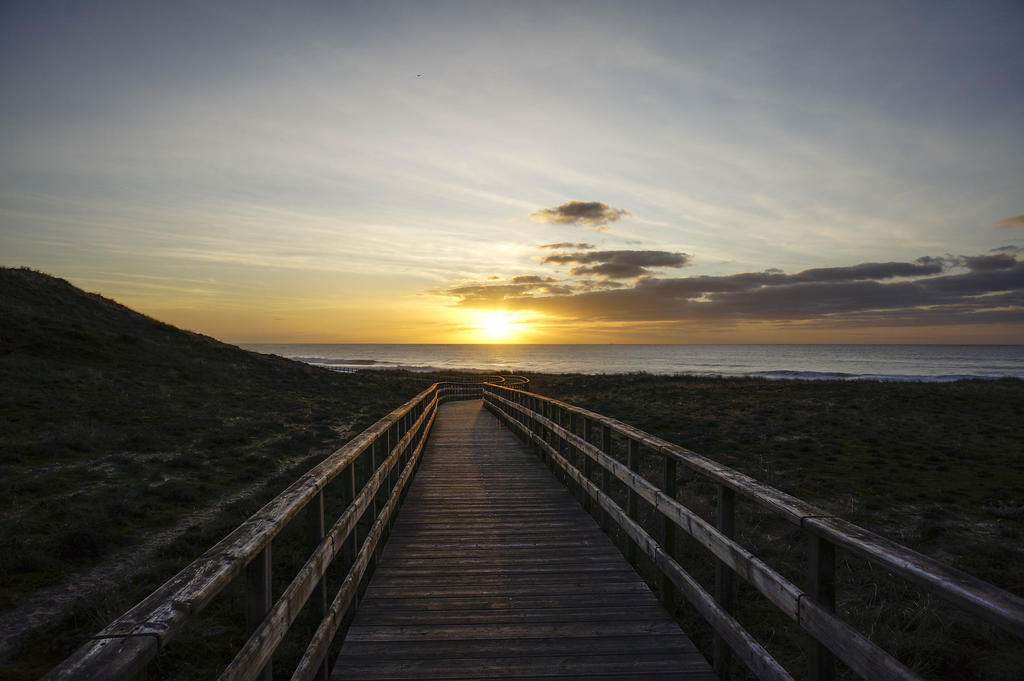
579	442
387	452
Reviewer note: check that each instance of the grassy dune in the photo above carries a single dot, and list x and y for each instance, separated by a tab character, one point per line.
128	447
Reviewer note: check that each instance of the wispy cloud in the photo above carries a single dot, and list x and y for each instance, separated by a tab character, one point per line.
591	214
1009	223
580	246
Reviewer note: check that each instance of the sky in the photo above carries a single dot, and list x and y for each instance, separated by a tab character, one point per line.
547	172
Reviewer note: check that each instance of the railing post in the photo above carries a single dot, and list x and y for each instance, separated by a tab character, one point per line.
821	573
606	476
374	458
318	599
380	452
569	423
259	598
401	428
538	410
588	463
351	547
668	534
548	435
633	461
725	520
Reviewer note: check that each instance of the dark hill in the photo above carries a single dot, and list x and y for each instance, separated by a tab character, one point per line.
114	427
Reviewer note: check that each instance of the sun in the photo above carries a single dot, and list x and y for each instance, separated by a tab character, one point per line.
496	326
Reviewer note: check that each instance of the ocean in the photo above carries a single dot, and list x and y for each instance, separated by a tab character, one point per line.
869	362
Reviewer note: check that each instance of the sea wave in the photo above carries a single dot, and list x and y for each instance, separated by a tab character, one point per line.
833	376
326	361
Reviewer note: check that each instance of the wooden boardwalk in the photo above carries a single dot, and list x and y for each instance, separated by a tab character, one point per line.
494	571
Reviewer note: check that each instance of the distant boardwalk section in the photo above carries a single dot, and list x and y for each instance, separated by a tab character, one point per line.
494	571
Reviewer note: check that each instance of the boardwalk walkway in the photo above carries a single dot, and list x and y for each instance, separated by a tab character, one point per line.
494	571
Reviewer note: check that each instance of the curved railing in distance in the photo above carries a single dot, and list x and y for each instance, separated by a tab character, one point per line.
580	443
509	380
387	453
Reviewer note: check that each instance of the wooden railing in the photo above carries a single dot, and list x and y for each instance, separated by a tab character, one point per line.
582	445
386	454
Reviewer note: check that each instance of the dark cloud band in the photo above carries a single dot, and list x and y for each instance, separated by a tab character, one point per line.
981	289
618	264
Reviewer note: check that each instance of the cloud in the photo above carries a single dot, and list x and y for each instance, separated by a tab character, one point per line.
1008	223
1008	249
979	289
592	214
875	270
519	287
984	263
618	264
568	244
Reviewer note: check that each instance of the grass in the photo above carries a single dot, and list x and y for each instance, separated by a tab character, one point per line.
936	467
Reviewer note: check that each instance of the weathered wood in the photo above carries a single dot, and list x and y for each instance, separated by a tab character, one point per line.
494	569
668	530
259	597
606	480
107	658
986	601
973	595
776	588
821	586
352	544
588	467
846	643
265	638
725	522
633	461
316	651
318	600
747	648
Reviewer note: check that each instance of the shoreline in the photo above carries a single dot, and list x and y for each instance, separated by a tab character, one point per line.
906	363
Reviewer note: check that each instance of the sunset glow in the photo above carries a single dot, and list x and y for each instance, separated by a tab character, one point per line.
524	172
497	326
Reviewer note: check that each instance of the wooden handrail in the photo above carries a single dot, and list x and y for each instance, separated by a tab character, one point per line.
124	648
552	426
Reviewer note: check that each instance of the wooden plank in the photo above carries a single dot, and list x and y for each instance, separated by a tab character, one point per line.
493	570
482	603
630	612
503	667
607	645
